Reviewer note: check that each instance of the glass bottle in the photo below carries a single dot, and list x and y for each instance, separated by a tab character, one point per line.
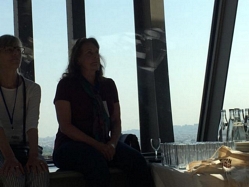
230	125
241	114
222	131
238	126
246	127
246	114
237	115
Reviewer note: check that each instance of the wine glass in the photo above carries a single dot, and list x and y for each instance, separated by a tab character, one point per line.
155	144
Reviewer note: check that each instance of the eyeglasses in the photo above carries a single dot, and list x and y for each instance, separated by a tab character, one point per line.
13	49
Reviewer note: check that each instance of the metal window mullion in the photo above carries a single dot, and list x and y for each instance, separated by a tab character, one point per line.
217	68
23	28
76	23
153	81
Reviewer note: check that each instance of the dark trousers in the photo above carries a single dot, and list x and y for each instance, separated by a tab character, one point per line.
83	158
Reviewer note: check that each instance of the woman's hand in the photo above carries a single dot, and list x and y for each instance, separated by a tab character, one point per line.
12	166
36	165
107	150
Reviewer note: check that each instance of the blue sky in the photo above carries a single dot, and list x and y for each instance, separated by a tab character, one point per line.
111	22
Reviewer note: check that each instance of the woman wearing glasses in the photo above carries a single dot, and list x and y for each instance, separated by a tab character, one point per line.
88	113
21	164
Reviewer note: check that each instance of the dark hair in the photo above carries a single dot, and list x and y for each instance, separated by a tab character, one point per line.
73	68
9	41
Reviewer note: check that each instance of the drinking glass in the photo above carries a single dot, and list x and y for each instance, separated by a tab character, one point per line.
181	156
163	154
155	144
173	154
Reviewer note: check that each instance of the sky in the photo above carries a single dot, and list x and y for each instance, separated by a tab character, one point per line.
111	22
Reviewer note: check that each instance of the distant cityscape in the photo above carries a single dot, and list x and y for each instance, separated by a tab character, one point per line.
182	133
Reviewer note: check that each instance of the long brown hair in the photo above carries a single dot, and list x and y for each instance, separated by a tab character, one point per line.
73	68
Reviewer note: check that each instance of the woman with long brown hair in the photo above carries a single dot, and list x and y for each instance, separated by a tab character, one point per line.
88	114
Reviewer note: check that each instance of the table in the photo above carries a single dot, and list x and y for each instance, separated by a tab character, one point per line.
165	176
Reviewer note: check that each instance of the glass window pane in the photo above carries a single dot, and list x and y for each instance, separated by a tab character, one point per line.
188	25
7	18
51	59
236	90
112	24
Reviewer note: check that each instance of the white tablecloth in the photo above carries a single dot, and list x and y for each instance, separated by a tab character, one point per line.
168	177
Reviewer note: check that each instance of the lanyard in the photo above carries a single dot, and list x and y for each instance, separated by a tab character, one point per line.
11	117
